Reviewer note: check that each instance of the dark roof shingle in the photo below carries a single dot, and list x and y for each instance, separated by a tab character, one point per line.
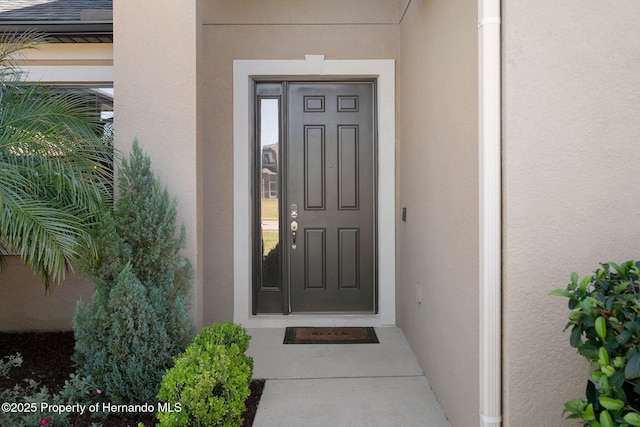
62	21
53	10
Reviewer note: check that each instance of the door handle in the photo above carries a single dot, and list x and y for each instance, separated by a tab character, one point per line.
294	231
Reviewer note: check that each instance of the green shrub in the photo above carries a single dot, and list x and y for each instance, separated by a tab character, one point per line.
137	319
12	361
225	334
271	271
604	319
127	359
210	380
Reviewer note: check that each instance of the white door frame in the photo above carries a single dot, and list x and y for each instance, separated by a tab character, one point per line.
244	71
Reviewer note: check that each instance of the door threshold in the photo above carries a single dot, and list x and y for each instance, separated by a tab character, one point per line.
337	320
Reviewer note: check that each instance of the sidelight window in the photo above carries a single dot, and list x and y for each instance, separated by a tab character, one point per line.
267	201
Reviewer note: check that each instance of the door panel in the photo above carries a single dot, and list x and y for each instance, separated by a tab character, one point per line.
348	258
315	258
314	162
348	161
330	158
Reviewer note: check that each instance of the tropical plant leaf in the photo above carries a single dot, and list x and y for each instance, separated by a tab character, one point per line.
561	293
605	419
55	170
574	278
576	337
583	285
632	369
611	404
588	413
617	379
593	395
601	327
632	418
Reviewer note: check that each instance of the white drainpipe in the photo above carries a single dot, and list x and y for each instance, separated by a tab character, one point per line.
490	215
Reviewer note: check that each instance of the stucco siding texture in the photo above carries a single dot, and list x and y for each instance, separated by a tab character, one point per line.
223	43
24	305
438	184
157	102
571	103
307	12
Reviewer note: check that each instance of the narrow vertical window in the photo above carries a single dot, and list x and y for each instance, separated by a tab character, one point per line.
268	199
269	170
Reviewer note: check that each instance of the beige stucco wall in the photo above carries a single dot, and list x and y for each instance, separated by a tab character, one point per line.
570	172
24	306
156	91
273	29
76	54
438	174
301	12
68	63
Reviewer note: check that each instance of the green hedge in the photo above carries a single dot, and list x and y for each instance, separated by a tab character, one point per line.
209	382
604	319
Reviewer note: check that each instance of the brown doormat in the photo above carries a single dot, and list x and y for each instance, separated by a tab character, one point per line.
307	335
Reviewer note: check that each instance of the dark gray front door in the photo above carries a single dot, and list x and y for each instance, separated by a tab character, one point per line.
329	220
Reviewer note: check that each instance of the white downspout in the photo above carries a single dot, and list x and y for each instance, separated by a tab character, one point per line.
490	214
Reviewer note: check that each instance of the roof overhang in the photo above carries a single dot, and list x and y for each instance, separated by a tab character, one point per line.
64	31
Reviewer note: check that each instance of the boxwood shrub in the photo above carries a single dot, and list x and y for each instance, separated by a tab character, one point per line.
604	319
209	382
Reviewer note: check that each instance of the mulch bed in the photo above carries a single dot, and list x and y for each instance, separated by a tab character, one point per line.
47	359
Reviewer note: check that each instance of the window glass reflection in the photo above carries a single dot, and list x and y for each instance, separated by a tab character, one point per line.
270	207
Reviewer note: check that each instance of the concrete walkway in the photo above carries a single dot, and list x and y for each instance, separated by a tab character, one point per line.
342	384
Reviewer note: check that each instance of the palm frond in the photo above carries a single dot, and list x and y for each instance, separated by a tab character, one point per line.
57	231
12	45
55	170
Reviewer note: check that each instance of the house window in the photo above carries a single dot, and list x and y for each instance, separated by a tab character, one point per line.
268	139
98	99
